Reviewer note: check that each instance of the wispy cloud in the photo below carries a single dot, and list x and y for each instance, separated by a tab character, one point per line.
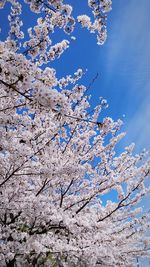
138	125
128	59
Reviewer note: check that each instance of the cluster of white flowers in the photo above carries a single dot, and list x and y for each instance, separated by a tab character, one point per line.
65	81
105	4
99	8
57	49
85	21
58	160
15	22
39	39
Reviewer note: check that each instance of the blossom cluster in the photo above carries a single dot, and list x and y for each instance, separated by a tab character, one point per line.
99	10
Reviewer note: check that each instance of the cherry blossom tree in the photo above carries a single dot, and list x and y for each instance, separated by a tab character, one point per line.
58	159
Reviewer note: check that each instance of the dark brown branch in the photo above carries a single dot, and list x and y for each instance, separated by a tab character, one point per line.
120	204
71	136
136	251
41	189
32	48
45	229
18	168
30	173
12	87
78	202
12	218
87	89
83	206
99	124
14	107
10	175
63	194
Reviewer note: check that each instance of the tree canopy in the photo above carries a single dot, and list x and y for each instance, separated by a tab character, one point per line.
58	158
